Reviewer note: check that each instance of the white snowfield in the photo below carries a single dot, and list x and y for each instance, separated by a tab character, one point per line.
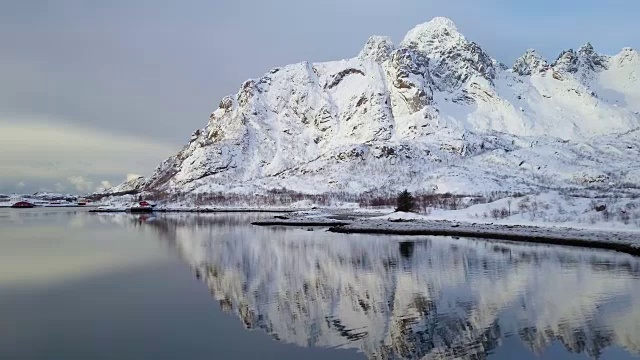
434	112
623	241
550	218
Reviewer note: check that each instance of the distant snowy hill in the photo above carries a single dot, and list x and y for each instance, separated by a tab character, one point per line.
435	112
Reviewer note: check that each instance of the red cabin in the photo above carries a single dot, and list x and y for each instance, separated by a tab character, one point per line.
144	204
22	205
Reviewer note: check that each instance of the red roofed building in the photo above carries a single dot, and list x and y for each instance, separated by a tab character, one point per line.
22	205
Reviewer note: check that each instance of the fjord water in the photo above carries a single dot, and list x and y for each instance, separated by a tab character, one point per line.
75	285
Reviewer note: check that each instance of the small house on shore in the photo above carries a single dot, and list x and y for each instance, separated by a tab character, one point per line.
22	205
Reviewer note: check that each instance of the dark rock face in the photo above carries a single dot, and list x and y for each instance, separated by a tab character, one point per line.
458	64
246	92
592	60
337	78
408	62
480	61
566	62
226	103
585	59
529	63
452	58
408	71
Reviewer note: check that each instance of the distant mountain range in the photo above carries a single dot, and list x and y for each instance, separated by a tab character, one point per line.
435	112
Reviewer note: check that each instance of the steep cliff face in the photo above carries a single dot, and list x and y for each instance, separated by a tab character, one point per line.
422	114
455	60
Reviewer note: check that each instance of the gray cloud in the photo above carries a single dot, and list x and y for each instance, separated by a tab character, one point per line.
82	185
153	70
105	185
50	156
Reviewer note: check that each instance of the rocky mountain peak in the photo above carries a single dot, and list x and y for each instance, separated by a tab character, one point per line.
586	48
439	32
529	63
567	61
453	58
377	48
442	22
591	59
586	60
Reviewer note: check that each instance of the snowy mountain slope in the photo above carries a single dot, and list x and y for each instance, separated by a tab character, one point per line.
435	112
620	80
131	185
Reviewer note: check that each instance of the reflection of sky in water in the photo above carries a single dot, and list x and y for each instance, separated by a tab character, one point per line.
50	245
385	297
111	289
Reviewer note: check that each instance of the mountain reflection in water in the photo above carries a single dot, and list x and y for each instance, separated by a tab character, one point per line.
399	297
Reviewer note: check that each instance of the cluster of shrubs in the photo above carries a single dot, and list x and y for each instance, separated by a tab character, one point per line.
420	202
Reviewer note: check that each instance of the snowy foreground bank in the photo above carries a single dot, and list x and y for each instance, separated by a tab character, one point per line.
596	221
623	241
626	240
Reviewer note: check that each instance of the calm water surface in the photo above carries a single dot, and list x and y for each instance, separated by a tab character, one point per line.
75	285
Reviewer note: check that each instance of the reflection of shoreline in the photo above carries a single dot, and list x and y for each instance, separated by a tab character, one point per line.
623	242
391	299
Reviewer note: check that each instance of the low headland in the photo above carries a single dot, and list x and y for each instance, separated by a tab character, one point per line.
554	218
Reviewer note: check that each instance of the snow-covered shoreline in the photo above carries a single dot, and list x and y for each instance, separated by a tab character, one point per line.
625	241
622	241
199	210
611	222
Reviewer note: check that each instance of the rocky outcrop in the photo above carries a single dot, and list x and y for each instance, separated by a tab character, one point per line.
583	63
591	60
566	62
408	74
453	59
530	63
377	48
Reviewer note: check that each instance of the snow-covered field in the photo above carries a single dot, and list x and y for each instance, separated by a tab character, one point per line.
546	210
608	223
624	241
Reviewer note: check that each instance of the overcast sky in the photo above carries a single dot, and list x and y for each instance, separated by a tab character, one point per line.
91	91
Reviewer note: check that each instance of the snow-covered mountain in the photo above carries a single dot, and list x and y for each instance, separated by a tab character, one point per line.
435	112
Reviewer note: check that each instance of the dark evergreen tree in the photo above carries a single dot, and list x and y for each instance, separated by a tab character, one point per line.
405	202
